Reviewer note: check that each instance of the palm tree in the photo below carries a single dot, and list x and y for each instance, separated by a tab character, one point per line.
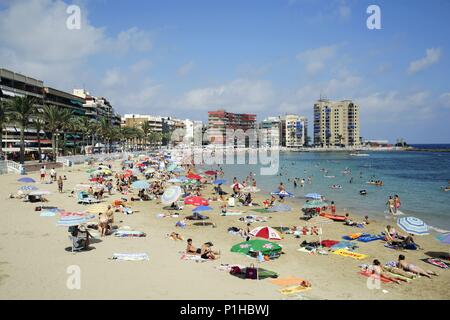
104	130
38	123
84	127
146	130
56	119
4	119
22	109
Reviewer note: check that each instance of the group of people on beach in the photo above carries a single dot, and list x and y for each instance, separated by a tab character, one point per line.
393	204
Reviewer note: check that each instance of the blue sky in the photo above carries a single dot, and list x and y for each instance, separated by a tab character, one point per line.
182	58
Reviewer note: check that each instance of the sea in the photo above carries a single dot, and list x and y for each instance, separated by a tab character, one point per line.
417	177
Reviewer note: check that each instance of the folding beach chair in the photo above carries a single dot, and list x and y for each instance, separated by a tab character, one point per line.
74	240
84	198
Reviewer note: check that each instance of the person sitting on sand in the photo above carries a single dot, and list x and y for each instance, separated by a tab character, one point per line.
190	249
248	199
379	272
207	253
412	268
391	235
366	220
348	221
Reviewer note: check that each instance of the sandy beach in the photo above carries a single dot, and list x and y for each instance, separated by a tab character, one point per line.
34	258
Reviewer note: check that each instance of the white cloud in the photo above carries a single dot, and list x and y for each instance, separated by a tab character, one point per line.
35	41
344	11
445	99
185	69
316	59
237	95
432	56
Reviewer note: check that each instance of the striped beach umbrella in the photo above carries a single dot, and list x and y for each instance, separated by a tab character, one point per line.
69	221
265	233
39	193
413	225
28	188
140	184
171	195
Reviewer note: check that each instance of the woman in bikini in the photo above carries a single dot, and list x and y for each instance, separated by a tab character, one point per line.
402	264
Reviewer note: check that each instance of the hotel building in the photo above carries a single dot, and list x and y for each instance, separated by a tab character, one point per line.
336	123
294	131
269	132
220	121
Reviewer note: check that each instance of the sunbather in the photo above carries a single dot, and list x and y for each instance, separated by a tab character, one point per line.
207	253
378	270
190	248
412	268
175	236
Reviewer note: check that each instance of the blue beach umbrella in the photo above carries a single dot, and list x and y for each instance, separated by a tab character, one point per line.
140	184
314	196
68	221
282	193
201	208
26	180
220	181
413	225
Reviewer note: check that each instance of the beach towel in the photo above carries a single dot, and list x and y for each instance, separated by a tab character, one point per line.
129	234
370	237
130	256
193	257
354	255
288	281
48	213
437	263
293	290
329	243
344	245
231	213
262	210
367	273
352	236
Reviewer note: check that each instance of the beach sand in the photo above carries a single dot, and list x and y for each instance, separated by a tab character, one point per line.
34	257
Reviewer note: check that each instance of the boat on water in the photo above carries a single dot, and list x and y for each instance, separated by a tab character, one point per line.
359	154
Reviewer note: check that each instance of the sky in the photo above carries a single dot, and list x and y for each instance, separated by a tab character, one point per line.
269	57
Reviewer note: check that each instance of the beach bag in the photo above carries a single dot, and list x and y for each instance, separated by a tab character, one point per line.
235	270
251	272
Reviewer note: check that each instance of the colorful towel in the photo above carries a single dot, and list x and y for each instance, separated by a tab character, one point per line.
367	273
354	255
194	257
129	234
370	237
329	243
293	290
288	281
437	263
343	245
130	256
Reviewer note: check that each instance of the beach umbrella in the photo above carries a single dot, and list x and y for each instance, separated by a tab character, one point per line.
220	181
210	173
28	188
74	220
178	170
40	193
171	195
280	208
256	245
175	180
314	196
171	167
413	225
193	176
202	208
240	186
140	184
282	193
26	180
97	208
312	204
250	189
196	201
265	233
445	238
140	165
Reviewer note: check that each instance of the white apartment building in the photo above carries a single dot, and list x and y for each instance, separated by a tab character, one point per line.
136	120
294	131
336	123
269	132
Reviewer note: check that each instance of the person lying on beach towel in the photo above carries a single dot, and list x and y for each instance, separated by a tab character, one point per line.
412	268
175	236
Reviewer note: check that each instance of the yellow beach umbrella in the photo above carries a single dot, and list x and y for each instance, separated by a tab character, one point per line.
97	208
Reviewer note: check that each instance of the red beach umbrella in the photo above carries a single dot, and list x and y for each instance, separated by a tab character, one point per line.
210	172
193	176
196	201
265	233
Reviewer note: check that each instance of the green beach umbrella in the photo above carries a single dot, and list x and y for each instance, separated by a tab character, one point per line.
311	204
263	246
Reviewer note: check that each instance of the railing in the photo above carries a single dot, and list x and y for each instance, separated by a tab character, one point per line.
7	166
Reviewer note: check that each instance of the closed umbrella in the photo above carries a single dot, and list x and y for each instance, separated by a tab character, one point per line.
265	233
314	196
171	195
140	184
413	225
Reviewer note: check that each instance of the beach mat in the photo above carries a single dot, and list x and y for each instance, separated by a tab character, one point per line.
354	255
437	263
368	274
231	214
293	290
193	257
370	237
48	213
130	256
262	210
287	281
129	234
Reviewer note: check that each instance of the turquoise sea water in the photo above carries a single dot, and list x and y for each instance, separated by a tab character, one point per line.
417	177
